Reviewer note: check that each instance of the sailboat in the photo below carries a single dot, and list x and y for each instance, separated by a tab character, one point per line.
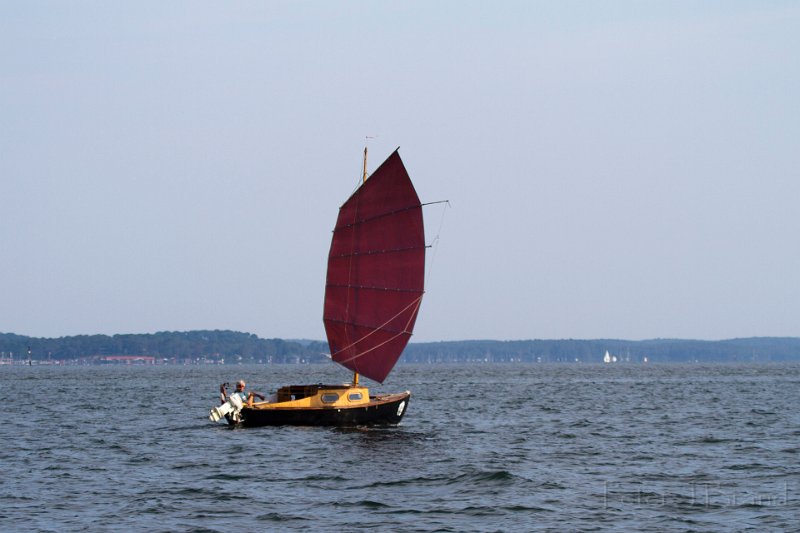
373	292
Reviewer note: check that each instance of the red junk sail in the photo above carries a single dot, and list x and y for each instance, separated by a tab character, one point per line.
376	271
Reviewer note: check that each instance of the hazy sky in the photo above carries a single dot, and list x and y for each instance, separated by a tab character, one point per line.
614	169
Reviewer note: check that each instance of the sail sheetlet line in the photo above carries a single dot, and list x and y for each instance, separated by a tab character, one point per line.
405	331
383	328
375	329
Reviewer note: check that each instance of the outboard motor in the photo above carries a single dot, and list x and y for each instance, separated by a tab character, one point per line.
232	407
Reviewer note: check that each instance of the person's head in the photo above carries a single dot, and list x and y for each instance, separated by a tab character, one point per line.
240	386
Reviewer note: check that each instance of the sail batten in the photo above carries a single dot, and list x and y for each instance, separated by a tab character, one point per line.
372	252
375	278
375	217
369	288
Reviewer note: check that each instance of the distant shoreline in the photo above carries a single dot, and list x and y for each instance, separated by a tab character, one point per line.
231	347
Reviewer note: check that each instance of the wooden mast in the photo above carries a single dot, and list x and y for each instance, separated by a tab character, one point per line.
365	165
363	181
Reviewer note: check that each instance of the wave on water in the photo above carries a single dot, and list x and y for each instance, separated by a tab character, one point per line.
524	447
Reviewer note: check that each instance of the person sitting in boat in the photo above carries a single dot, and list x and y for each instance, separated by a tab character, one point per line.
245	396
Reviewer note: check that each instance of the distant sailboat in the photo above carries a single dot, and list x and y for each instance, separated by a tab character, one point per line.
373	293
608	358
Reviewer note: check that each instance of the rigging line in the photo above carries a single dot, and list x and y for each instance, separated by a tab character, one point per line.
350	262
358	185
435	242
403	310
360	180
380	328
412	315
387	341
345	323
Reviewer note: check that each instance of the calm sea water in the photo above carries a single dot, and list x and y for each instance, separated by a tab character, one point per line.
482	448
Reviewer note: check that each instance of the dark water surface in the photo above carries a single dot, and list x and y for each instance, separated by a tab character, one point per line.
482	448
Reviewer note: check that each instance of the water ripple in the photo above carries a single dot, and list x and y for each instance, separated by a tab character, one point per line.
525	447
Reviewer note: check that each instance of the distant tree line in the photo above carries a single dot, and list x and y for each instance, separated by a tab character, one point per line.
592	351
237	347
211	346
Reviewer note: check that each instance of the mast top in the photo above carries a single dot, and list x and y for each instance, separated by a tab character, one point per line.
364	178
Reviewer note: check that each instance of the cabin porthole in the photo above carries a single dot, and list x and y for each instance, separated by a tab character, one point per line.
329	397
400	408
